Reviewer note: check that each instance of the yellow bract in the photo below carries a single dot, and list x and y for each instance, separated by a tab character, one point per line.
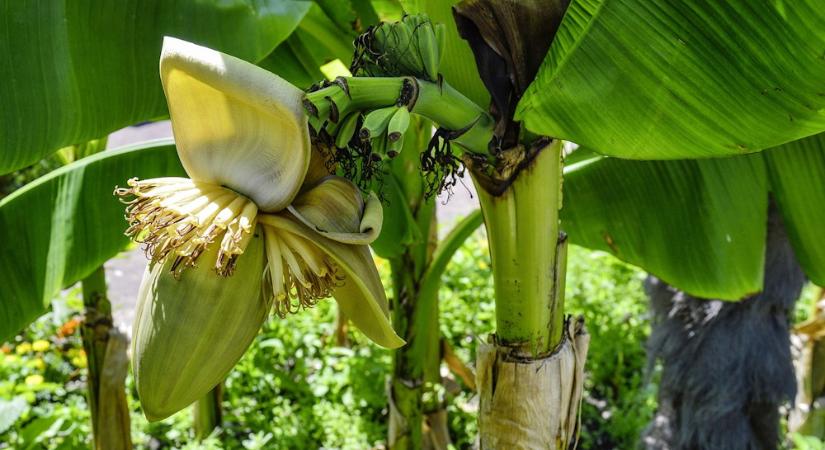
235	125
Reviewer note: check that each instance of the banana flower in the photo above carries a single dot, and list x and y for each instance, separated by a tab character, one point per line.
252	229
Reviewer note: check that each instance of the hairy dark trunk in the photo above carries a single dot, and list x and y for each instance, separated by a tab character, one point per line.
726	366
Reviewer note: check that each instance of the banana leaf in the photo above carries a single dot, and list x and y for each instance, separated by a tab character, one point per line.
700	225
644	79
75	70
61	227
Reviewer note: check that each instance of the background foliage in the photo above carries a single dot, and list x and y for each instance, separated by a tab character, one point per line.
295	389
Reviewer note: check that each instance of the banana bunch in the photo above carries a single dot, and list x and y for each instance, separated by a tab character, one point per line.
382	128
255	228
410	47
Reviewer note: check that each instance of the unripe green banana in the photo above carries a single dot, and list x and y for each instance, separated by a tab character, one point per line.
441	38
190	332
399	37
346	130
428	49
413	20
380	145
410	47
399	122
375	123
394	148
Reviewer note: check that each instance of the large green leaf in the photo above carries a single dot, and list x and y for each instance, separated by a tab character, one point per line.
59	228
701	224
74	70
649	79
697	224
797	174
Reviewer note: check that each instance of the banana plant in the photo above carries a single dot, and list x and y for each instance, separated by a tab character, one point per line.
165	157
645	104
612	80
418	416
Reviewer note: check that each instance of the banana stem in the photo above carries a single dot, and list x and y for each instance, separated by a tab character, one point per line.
528	254
105	351
440	103
207	413
530	376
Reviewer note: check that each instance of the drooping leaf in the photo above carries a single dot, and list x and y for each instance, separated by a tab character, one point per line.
61	227
457	63
647	79
509	39
76	70
697	224
700	225
797	175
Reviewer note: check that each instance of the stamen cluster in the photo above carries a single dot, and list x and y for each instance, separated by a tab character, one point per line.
179	218
300	274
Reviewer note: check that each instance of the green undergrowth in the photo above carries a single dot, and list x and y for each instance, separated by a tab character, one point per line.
295	389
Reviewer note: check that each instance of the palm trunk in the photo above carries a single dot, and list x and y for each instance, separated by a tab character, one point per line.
105	349
530	374
726	366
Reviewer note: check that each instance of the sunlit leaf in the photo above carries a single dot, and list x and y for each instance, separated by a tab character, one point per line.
59	228
701	224
76	70
648	79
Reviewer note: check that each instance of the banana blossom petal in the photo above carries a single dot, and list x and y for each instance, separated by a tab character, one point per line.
235	124
335	209
354	280
189	332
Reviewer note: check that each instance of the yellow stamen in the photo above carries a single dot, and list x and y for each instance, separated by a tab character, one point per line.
179	218
300	273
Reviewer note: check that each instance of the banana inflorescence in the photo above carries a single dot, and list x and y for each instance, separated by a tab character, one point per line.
255	225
